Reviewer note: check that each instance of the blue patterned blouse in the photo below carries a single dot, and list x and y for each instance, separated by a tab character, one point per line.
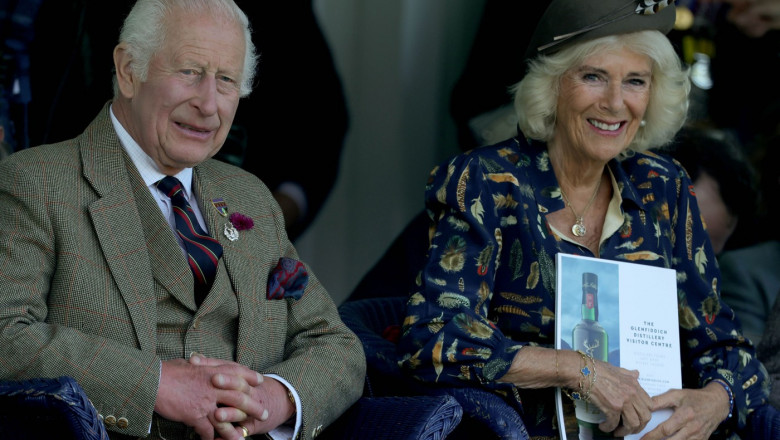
488	285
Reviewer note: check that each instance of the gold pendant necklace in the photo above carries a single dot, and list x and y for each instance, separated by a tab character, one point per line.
578	228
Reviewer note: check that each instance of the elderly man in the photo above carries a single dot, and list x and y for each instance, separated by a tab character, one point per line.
161	280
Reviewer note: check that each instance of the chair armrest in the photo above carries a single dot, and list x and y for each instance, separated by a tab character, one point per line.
488	412
397	418
763	424
43	409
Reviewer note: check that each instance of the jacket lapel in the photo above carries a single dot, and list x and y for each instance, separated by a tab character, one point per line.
118	225
234	256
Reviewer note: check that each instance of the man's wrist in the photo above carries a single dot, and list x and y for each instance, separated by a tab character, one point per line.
295	420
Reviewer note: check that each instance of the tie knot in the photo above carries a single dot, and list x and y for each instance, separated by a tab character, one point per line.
170	186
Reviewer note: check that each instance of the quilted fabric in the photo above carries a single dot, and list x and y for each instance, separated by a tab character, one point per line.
397	418
44	409
482	413
763	424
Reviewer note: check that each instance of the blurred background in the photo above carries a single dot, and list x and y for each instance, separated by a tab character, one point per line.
357	100
398	61
425	80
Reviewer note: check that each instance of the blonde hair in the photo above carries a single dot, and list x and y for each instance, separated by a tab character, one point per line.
536	95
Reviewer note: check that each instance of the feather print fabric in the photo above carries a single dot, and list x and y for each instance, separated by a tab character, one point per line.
488	287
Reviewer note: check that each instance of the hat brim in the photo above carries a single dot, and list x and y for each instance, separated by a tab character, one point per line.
566	22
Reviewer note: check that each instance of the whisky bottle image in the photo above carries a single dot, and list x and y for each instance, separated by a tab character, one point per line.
589	337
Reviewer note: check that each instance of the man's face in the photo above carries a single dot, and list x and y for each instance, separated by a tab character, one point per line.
182	113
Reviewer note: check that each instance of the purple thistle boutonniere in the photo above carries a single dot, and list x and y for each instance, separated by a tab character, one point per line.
241	222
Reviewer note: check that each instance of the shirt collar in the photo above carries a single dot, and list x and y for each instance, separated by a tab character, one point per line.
144	163
625	182
548	192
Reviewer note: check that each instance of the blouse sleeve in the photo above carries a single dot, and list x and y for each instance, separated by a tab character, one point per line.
713	346
447	334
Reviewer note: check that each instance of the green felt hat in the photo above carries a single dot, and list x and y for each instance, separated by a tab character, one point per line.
570	21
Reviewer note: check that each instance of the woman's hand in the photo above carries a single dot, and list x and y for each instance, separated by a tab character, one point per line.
616	390
697	413
623	401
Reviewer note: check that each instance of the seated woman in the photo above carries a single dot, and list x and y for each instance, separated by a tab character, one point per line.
604	84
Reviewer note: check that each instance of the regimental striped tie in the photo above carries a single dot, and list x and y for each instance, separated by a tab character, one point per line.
203	252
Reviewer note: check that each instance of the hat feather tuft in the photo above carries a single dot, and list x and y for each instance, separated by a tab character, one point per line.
649	7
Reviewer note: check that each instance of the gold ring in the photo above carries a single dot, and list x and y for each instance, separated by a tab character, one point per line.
246	431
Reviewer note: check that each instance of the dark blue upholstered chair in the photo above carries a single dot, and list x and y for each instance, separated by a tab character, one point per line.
377	323
389	410
45	409
763	424
397	418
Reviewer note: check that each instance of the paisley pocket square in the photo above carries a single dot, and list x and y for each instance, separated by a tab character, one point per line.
287	280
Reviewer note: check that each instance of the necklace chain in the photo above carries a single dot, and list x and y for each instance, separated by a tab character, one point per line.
578	228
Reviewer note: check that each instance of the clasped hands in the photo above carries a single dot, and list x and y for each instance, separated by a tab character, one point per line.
217	398
628	408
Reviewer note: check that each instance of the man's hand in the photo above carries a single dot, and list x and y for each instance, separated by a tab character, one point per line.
259	407
187	392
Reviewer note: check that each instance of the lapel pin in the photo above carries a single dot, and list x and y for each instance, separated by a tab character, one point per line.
221	206
241	222
236	221
231	232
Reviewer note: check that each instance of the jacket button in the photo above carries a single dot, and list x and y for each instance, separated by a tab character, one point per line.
110	420
122	423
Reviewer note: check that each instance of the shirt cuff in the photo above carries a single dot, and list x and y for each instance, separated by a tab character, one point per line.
285	432
159	381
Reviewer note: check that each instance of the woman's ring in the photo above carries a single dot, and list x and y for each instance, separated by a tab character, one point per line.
246	431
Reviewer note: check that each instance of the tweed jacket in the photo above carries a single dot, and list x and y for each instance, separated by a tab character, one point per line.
83	253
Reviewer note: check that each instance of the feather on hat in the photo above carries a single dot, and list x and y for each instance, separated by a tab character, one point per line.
568	21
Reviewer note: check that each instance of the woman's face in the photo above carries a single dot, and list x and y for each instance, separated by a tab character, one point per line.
601	104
